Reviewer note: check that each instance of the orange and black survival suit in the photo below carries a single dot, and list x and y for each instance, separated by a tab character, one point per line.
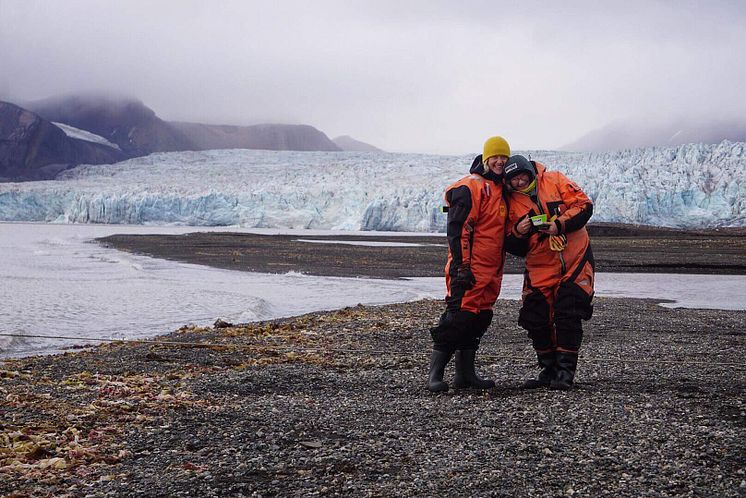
559	278
476	229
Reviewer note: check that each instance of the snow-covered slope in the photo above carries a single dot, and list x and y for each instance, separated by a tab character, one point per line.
686	186
73	132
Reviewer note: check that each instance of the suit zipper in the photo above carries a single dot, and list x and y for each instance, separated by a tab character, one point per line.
471	245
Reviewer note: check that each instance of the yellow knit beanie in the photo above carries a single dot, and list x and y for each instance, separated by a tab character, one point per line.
495	146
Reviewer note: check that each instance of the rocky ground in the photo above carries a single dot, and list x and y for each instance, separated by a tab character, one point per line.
334	404
616	248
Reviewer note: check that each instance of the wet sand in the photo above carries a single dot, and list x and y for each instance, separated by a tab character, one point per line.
616	248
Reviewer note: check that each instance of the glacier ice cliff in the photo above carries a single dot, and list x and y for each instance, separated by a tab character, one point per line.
691	186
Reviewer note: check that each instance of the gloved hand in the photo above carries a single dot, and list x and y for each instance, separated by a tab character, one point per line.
464	277
524	226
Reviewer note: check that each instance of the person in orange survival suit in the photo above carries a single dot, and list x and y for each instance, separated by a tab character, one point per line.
476	228
559	278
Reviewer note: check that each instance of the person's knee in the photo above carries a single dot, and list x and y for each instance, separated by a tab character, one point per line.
572	303
482	322
455	330
541	338
571	306
534	314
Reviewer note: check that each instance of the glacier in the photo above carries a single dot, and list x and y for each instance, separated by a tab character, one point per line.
687	186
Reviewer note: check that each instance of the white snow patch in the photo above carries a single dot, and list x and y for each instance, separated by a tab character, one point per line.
73	132
364	243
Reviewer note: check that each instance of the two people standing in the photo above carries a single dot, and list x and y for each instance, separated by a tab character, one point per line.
511	203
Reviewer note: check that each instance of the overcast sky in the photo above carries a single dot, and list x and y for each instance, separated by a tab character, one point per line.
413	76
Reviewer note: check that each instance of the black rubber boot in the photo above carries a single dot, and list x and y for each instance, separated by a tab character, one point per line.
547	374
466	377
438	362
567	363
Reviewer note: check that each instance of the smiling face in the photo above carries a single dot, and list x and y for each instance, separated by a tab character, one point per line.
520	181
496	164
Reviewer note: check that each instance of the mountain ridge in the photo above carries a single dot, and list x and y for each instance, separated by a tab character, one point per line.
260	136
346	142
132	126
639	133
33	148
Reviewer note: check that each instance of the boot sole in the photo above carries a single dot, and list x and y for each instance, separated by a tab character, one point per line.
535	385
477	388
560	387
438	388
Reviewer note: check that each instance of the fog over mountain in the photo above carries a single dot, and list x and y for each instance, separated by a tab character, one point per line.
263	136
635	133
425	76
346	142
125	121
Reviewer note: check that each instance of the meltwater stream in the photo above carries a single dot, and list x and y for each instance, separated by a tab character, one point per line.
56	281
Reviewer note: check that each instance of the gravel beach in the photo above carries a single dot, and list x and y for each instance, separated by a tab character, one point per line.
334	403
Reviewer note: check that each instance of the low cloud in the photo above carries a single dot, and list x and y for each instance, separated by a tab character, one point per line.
419	76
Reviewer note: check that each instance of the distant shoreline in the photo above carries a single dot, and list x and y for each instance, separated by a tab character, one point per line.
616	248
